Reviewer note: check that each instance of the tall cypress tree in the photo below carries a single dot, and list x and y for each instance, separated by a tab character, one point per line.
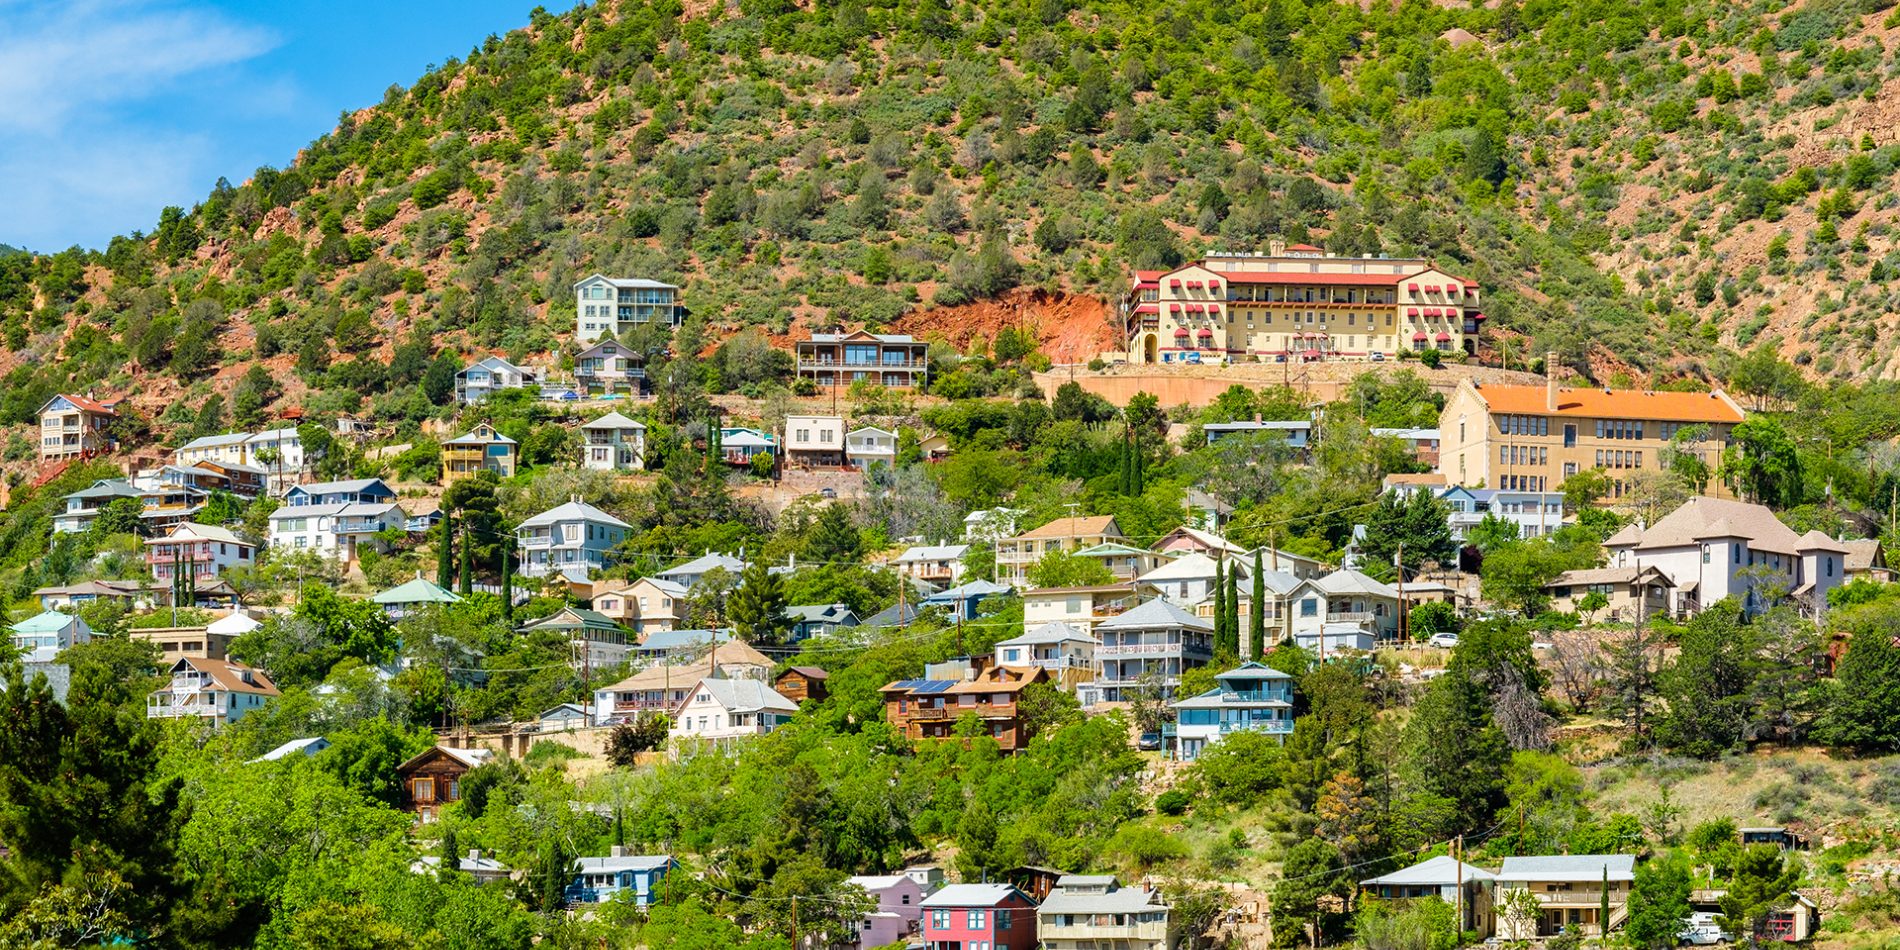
468	565
1233	609
508	583
445	552
1256	612
1220	606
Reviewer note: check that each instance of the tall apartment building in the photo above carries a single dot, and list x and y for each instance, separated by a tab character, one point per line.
74	427
1531	438
1298	303
617	304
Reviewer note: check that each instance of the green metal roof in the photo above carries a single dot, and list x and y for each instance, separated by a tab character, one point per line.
51	621
418	591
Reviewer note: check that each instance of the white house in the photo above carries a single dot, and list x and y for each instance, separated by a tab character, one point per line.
692	572
215	691
279	452
572	539
365	490
1155	639
337	530
40	639
1092	911
1570	891
940	565
868	444
1298	434
1189	579
613	443
1442	877
610	366
85	504
814	441
490	375
1712	548
1536	514
1252	697
1065	651
1342	597
990	524
616	305
207	551
724	709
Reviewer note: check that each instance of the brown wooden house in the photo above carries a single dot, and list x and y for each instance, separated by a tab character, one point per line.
801	683
931	709
434	778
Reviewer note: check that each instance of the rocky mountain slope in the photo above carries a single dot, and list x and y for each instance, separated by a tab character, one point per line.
1640	187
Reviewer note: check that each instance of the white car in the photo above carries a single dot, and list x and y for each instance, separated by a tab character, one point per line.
1701	929
1444	641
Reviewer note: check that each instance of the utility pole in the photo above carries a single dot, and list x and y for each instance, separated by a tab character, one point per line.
794	922
1458	878
1398	564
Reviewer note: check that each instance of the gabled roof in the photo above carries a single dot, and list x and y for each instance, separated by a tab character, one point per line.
932	552
884	432
573	511
664	640
1157	612
1703	518
192	530
629	283
49	621
978	588
1644	404
1440	871
1863	554
80	402
1348	581
808	672
742	696
972	895
1187	567
613	420
483	434
1049	633
1609	575
1112	549
354	486
1001	679
107	488
418	591
1206	539
1575	868
1072	527
234	624
214	441
308	746
358	509
229	676
574	618
467	757
493	363
703	564
630	352
821	613
631	862
863	335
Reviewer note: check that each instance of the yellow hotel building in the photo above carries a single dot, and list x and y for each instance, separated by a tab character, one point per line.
1298	303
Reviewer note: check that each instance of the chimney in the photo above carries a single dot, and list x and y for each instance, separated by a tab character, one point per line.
1550	381
474	854
1276	248
618	851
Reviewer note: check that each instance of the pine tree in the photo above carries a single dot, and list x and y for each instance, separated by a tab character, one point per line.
1220	607
757	608
451	852
1257	613
445	552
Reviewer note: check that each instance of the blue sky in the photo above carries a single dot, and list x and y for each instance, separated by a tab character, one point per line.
113	109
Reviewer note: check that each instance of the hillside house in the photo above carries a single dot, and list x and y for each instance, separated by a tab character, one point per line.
721	710
572	540
965	600
477	450
1251	697
812	620
739	445
1067	654
868	444
596	641
1442	877
1095	911
610	367
1632	594
1156	638
930	709
662	686
489	375
599	880
1343	597
691	573
995	916
1570	890
1083	608
1015	556
647	605
206	551
617	305
368	491
613	443
338	530
475	864
814	441
899	910
209	642
40	639
433	778
1866	561
1421	442
414	595
800	683
75	427
1298	433
939	565
893	360
217	692
1712	548
1535	514
85	504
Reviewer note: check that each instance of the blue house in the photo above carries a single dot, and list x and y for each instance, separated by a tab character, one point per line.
369	491
962	601
1251	697
813	619
638	876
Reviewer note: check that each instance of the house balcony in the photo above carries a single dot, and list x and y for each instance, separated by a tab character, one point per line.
536	541
1161	650
933	712
805	362
154	556
1352	616
1152	931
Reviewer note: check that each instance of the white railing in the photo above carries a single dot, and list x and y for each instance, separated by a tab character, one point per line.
1140	649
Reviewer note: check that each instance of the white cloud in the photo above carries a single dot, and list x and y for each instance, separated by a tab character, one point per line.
57	59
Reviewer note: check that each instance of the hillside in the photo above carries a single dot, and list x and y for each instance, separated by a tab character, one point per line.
1613	173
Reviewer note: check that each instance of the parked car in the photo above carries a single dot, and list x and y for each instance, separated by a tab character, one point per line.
1444	641
827	492
1701	929
1378	357
1149	742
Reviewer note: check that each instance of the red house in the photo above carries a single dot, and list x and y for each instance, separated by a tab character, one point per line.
979	917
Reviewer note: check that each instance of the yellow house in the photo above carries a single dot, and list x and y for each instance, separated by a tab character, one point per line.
480	448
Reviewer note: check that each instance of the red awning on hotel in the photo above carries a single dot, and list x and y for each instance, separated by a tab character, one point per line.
1147	308
1312	354
1182	331
1451	289
1214	285
1204	332
1444	338
1411	311
1475	316
1211	308
1174	283
1412	287
1418	338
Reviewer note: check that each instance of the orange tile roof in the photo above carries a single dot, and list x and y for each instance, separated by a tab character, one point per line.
1065	527
88	404
1612	404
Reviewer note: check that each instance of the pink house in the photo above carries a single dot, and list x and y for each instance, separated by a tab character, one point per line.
900	901
979	917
